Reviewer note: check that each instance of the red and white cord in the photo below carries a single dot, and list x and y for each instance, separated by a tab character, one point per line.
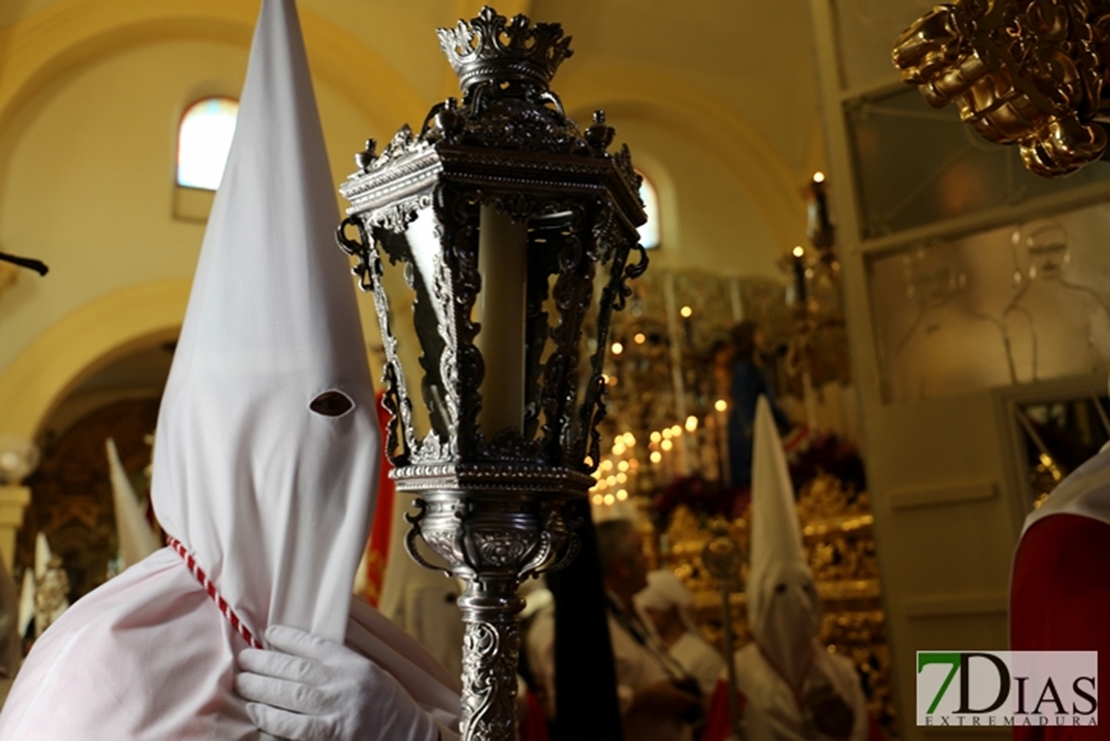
210	588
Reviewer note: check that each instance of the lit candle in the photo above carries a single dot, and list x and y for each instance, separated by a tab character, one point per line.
502	262
819	229
799	275
687	324
721	441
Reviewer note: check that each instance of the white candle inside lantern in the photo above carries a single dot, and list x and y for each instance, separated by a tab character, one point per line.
502	262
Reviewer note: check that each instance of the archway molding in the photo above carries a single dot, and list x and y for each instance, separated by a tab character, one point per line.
84	341
72	33
700	117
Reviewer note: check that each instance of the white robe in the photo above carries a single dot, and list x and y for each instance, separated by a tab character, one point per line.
701	660
785	613
771	712
147	656
638	667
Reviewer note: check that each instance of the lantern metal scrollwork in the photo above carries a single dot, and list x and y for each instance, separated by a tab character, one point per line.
516	234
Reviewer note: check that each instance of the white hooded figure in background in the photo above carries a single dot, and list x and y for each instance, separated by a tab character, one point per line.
136	538
792	687
50	586
264	478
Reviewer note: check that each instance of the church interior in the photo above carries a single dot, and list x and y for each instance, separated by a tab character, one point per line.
934	319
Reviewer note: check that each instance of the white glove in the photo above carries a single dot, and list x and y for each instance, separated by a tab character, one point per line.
312	689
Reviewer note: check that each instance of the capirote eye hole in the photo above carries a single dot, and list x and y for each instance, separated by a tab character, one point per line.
331	404
780	588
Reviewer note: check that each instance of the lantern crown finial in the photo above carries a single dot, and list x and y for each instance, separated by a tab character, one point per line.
492	48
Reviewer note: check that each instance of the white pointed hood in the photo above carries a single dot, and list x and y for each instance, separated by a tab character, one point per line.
783	608
26	601
136	539
50	594
43	554
272	499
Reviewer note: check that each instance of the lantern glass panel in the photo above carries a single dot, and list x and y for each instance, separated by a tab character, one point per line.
409	261
430	317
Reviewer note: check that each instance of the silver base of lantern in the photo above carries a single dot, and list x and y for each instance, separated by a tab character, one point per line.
492	540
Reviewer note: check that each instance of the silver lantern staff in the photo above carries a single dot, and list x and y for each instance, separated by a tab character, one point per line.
513	231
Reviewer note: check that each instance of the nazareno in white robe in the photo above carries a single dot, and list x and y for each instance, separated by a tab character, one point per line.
784	662
271	500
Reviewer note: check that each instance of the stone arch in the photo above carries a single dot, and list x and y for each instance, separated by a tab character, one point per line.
84	341
70	33
698	116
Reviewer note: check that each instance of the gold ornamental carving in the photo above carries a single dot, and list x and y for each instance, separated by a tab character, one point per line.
1024	72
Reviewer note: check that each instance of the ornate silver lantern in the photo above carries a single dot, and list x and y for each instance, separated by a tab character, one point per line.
513	231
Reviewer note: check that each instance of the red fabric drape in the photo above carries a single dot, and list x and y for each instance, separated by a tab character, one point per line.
718	725
378	547
1060	601
534	727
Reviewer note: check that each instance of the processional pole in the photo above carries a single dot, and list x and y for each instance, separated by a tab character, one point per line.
516	234
722	559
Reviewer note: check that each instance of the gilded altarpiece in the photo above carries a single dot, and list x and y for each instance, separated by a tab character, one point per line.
662	373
